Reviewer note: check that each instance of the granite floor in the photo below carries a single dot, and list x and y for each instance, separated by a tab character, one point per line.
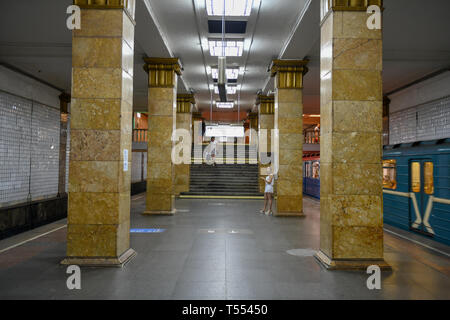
219	249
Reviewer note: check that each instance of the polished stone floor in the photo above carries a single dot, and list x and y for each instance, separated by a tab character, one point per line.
219	249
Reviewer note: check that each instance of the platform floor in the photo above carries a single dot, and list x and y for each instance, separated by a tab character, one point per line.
219	249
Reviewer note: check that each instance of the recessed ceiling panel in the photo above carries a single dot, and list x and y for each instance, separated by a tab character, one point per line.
231	26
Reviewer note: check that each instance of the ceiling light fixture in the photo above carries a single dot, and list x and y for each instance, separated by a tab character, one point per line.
230	89
225	105
232	73
232	7
312	115
233	48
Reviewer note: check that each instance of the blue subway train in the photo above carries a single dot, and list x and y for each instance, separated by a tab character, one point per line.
416	186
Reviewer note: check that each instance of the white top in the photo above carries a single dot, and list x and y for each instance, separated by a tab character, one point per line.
269	186
212	147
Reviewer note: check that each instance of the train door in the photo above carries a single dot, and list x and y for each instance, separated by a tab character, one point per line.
421	188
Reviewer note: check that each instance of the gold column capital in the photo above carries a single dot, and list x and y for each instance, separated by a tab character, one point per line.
185	102
266	104
327	6
162	71
197	116
352	5
128	5
252	115
289	73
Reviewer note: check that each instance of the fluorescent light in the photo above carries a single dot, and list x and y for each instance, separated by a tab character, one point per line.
138	115
230	89
208	69
233	48
205	45
312	115
232	73
241	70
225	105
232	7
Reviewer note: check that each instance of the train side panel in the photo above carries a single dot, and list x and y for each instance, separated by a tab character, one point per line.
440	213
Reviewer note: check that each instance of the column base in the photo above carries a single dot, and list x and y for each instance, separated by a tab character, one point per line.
101	262
289	214
355	264
159	213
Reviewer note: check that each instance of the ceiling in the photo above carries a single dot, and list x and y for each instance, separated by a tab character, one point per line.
415	43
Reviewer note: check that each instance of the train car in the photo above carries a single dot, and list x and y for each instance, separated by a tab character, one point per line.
311	174
416	187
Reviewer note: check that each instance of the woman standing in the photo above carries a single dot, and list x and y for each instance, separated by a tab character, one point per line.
268	192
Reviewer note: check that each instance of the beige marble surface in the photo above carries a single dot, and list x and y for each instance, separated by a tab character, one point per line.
351	141
101	109
160	169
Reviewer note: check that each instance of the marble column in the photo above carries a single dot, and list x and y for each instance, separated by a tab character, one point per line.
64	100
98	230
266	109
351	217
289	135
185	104
162	108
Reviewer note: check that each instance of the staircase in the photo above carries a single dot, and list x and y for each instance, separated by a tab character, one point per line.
236	180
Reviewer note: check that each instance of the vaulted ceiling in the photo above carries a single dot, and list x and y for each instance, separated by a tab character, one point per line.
416	43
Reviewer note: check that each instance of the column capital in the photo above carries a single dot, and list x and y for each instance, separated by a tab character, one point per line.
252	115
128	5
289	73
197	115
161	71
347	5
350	5
185	102
266	104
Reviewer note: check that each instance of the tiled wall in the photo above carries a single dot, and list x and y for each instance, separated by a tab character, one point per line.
139	163
15	147
44	151
428	121
29	150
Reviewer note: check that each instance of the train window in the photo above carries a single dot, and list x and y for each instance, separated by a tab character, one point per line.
428	178
415	176
390	174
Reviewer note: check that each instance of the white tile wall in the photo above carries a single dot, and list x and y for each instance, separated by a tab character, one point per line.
29	150
45	151
139	163
15	146
428	121
136	167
